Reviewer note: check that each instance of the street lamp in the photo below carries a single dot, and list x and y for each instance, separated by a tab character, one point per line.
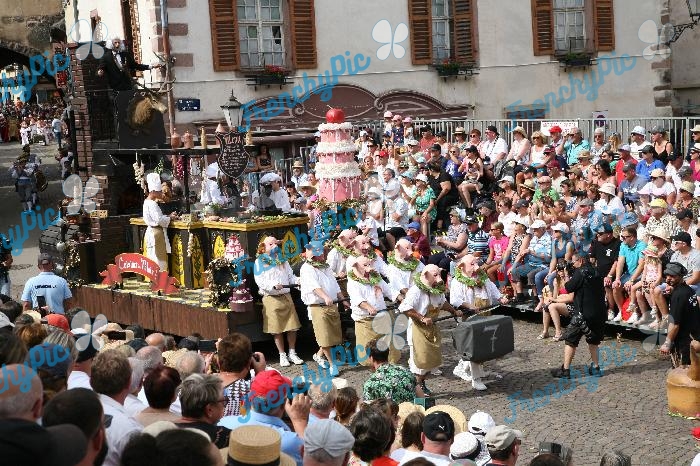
232	112
694	13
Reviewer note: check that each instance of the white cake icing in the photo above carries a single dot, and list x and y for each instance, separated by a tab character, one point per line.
337	170
335	126
336	147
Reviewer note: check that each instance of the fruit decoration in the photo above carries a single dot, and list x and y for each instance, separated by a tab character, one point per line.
335	115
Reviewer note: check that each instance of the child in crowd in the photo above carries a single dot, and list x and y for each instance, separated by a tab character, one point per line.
641	292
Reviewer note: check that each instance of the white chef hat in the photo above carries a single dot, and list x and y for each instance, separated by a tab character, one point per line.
154	183
269	178
213	170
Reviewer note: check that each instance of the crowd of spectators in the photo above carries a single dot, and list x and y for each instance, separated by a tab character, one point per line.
141	400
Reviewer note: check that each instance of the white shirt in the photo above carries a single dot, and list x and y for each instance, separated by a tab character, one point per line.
401	279
508	221
371	224
78	379
336	261
153	217
311	278
463	294
635	148
211	193
119	428
378	264
372	295
133	405
437	460
613	207
297	180
281	200
419	301
396	206
277	275
491	149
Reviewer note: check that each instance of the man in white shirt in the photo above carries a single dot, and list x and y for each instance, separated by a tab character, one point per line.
111	379
638	141
298	176
211	193
82	368
437	438
272	190
495	147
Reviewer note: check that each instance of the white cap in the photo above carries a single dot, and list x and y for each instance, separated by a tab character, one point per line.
5	321
388	114
412	142
269	178
213	170
538	224
464	444
639	130
480	423
560	227
363	133
154	183
422	177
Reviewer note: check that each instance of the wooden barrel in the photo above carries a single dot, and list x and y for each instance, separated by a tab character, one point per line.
683	386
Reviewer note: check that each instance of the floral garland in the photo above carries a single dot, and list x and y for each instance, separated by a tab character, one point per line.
71	272
439	289
317	264
220	293
478	282
268	260
409	265
374	278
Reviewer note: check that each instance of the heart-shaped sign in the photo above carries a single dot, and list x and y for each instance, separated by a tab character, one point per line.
233	158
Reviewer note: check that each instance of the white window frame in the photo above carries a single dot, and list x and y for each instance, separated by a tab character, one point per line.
444	52
275	57
566	11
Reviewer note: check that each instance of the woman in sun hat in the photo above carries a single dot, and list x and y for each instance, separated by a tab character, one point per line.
659	188
686	199
408	130
520	149
609	204
424	202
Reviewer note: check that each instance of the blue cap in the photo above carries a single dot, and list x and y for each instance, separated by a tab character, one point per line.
605	228
630	218
413	226
387	133
317	247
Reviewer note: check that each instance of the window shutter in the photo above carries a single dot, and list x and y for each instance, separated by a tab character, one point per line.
604	25
542	27
303	33
421	31
224	34
464	30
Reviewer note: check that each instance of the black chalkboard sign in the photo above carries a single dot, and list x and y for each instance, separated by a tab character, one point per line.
233	158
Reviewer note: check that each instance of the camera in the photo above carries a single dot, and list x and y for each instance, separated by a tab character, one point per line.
579	322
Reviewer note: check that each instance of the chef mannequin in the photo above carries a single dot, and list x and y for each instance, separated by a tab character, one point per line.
156	237
211	194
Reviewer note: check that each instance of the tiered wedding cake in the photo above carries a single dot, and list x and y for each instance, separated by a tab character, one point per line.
241	299
337	171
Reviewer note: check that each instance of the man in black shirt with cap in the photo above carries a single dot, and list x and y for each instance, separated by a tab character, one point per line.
684	326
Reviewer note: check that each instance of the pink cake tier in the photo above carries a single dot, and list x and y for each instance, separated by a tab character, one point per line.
338	190
334	132
338	173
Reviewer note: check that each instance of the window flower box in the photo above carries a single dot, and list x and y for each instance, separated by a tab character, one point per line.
453	68
575	60
270	75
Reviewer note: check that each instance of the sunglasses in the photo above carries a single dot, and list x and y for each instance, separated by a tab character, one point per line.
474	135
625	236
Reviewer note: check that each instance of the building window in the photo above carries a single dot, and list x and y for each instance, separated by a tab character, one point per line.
441	29
260	33
569	26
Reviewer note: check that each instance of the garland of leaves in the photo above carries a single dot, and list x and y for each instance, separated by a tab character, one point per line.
409	265
323	204
220	293
268	260
374	278
317	264
478	282
341	249
439	289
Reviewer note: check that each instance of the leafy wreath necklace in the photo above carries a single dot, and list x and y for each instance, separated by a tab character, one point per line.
374	278
409	265
437	289
478	282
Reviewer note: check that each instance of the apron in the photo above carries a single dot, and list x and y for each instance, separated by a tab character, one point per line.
279	315
326	323
427	340
364	333
161	251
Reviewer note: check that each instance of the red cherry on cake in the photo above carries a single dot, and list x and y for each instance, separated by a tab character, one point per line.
335	115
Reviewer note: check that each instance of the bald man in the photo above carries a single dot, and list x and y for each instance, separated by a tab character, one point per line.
22	396
157	340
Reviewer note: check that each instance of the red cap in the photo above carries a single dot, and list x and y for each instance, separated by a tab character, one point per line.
554	129
58	320
554	164
384	154
268	381
696	433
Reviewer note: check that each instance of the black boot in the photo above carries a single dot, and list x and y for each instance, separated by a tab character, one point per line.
561	373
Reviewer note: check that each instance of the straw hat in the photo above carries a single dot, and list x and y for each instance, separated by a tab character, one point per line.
651	251
457	416
407	408
661	233
298	164
528	184
460	130
172	357
657	173
688	186
256	445
521	130
607	188
306	184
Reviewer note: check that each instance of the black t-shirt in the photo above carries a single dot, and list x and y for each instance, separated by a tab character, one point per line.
437	189
683	307
605	255
589	294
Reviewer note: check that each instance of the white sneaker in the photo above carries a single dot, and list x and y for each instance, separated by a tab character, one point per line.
295	359
284	362
436	372
611	315
459	369
646	319
334	371
320	360
618	317
477	384
634	318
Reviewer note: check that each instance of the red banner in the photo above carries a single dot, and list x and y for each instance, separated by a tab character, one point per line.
141	265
